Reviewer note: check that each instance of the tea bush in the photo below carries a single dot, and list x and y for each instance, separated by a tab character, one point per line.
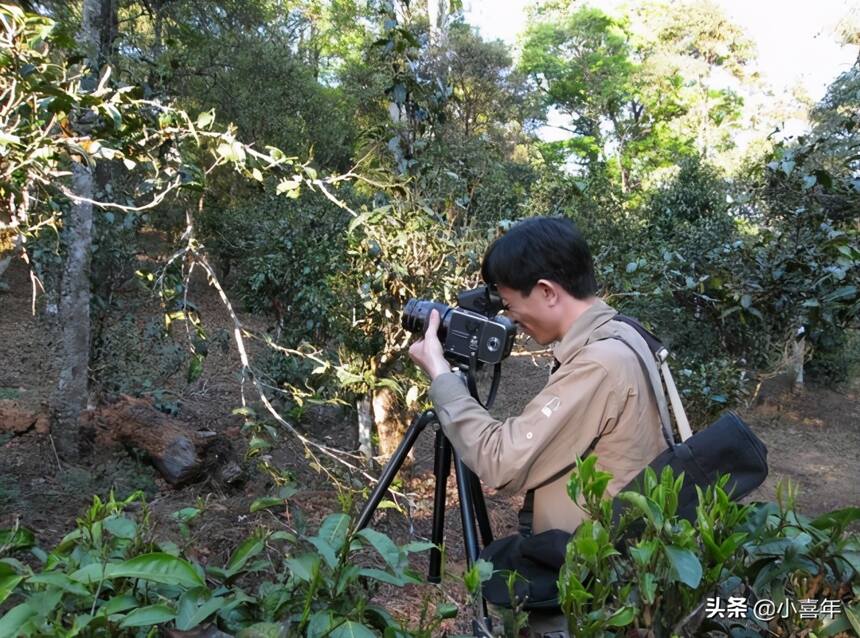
652	571
110	577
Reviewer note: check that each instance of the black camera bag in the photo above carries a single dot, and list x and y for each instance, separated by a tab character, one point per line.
727	446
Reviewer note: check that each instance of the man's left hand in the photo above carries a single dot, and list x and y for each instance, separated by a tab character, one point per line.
427	352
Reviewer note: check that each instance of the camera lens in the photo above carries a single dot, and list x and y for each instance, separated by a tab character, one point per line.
417	314
412	320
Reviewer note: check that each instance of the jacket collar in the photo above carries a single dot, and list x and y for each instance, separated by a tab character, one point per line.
580	332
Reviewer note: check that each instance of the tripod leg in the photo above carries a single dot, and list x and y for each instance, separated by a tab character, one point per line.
481	624
441	470
467	509
480	510
393	466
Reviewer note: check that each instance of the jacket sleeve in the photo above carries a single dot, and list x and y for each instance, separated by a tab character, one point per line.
524	451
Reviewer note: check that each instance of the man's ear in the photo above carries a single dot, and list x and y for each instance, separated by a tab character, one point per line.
548	291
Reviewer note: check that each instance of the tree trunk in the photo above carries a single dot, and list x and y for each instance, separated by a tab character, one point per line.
798	356
389	420
72	391
365	426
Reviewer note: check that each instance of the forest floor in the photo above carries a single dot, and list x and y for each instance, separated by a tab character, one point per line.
813	438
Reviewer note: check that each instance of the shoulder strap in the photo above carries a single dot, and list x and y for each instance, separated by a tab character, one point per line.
661	357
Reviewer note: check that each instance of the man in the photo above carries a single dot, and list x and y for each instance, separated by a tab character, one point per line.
597	398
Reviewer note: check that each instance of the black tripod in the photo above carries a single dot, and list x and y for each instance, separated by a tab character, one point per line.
473	509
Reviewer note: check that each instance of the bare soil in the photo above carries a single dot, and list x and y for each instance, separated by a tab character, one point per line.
813	438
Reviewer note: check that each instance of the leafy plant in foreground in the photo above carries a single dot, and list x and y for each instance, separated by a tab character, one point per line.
107	578
647	570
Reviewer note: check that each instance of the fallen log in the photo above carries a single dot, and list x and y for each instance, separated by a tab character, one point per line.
16	419
181	454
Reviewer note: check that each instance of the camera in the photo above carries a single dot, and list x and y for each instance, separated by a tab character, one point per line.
472	330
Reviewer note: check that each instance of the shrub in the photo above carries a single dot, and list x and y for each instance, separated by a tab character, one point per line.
109	577
652	571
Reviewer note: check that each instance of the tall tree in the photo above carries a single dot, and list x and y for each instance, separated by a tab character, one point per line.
703	46
638	90
583	66
98	29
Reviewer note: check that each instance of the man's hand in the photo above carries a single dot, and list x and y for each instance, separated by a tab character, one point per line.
427	351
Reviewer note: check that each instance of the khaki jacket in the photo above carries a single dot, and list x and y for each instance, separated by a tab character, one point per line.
599	388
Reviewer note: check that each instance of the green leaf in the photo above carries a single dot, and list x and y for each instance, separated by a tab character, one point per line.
157	567
206	118
418	546
385	546
478	573
80	623
8	585
266	501
643	551
320	624
46	602
249	548
283	536
14	619
686	567
833	626
186	514
648	587
60	581
195	606
288	186
113	113
334	530
325	550
150	615
351	629
18	538
195	368
645	505
118	604
446	610
258	443
382	576
622	617
304	566
121	527
852	613
845	292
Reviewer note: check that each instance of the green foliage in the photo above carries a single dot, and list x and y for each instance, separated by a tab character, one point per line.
109	578
399	251
284	255
637	90
652	571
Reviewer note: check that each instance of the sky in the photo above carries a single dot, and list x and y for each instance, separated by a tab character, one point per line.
795	38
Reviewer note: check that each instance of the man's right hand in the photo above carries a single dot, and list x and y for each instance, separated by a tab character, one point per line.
427	352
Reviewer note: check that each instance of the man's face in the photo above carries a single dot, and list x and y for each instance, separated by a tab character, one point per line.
532	313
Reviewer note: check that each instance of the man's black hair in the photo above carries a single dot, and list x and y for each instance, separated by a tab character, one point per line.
541	248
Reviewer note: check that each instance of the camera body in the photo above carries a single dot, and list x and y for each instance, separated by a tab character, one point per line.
472	330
